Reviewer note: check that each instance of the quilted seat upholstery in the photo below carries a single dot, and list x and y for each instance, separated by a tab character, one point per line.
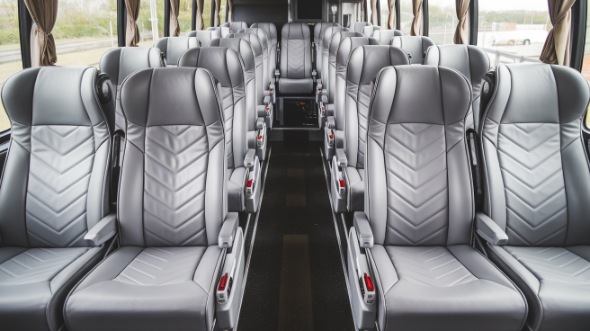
536	185
420	209
54	189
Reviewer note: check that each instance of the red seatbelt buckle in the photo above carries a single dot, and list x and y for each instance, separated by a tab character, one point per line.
323	110
341	186
267	111
260	139
331	137
250	186
224	288
367	288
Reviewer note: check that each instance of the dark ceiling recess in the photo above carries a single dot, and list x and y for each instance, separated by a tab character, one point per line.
309	9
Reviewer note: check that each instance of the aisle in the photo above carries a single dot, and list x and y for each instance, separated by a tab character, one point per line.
295	279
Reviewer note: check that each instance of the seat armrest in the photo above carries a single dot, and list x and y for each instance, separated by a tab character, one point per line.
102	231
341	159
228	230
249	158
489	231
363	230
330	122
260	123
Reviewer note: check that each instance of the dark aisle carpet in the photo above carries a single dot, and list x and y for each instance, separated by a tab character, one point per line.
295	279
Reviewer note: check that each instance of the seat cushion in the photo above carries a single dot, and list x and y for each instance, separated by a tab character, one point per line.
34	283
295	86
356	192
235	189
556	281
145	289
444	288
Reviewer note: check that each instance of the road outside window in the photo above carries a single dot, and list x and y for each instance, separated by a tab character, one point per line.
513	31
84	31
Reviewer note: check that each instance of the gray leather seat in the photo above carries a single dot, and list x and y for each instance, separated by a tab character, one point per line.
469	60
419	212
318	34
369	29
273	44
268	87
415	46
334	129
243	166
348	163
359	26
323	84
53	195
295	63
172	214
256	126
204	36
234	26
536	190
384	37
173	47
118	63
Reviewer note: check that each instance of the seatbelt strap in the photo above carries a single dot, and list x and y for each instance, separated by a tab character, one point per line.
475	168
115	168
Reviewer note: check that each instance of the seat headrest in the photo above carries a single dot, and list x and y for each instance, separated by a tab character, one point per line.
174	47
366	62
53	96
242	47
537	93
421	98
118	63
171	96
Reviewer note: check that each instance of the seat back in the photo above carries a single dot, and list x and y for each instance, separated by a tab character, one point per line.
418	190
204	36
256	46
318	34
359	26
172	189
227	68
326	40
347	46
384	37
263	38
295	51
244	49
369	29
535	166
54	186
469	60
332	52
271	33
118	63
415	46
174	47
363	66
234	26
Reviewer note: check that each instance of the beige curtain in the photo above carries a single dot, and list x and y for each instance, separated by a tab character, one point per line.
44	14
557	46
230	13
132	31
391	17
174	25
374	13
200	24
417	22
462	30
217	10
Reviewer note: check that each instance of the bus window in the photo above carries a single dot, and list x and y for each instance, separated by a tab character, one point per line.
84	30
586	63
442	21
10	54
406	16
384	10
513	31
151	22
